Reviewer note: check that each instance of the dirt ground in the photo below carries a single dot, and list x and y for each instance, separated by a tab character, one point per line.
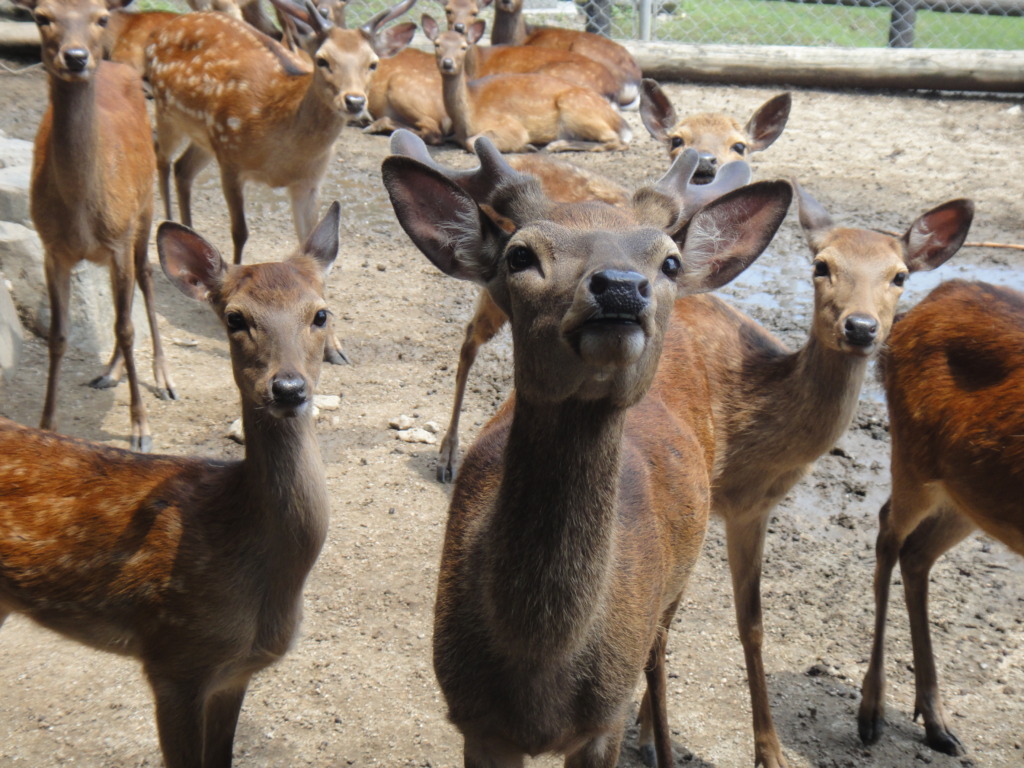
358	689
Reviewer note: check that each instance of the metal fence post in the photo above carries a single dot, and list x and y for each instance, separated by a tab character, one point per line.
901	24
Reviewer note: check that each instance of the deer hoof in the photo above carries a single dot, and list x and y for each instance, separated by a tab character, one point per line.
945	741
648	756
103	382
335	356
143	444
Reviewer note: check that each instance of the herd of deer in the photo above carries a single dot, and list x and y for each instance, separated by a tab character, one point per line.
641	407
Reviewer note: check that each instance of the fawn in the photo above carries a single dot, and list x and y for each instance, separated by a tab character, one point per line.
954	380
92	191
581	509
193	566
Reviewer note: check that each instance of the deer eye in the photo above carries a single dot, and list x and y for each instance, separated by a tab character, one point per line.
520	258
670	267
900	279
42	21
323	63
677	141
373	66
236	321
739	148
320	318
820	268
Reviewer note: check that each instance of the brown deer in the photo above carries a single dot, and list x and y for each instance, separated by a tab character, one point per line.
510	28
237	95
762	449
580	511
92	191
193	566
406	92
954	379
717	137
127	35
517	112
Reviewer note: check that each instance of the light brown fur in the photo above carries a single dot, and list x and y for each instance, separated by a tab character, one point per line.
954	381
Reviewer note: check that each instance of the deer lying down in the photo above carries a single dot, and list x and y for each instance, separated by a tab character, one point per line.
193	566
581	509
954	381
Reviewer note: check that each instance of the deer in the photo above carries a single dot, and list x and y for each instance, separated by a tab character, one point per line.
92	192
127	34
516	112
406	92
954	381
237	95
714	143
717	137
762	450
581	508
193	566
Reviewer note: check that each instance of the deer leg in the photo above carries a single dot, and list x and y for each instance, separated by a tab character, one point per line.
179	721
122	277
222	710
187	167
144	277
745	541
600	752
922	548
58	285
232	186
655	737
488	319
476	753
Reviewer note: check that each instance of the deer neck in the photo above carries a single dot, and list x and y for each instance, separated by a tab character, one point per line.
552	530
74	138
285	483
475	60
317	121
458	105
508	29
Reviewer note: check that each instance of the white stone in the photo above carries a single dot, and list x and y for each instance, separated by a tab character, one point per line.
327	402
416	435
402	422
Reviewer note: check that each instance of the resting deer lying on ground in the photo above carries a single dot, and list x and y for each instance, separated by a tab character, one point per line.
954	379
764	448
92	191
193	566
517	112
717	137
581	509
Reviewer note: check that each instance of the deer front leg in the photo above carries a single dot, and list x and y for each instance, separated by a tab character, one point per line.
179	719
144	277
919	552
122	279
479	753
655	737
187	167
745	539
232	185
601	752
222	710
58	285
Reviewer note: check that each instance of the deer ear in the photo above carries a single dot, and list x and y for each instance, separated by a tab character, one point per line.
390	41
814	219
767	123
656	110
441	219
724	237
430	28
476	31
322	243
193	265
937	235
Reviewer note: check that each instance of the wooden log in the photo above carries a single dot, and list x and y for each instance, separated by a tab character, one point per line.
820	67
18	35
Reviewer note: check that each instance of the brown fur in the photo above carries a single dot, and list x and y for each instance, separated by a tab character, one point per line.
954	380
193	566
128	34
405	92
92	191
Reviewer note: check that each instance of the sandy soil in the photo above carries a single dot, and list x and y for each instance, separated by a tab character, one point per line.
358	688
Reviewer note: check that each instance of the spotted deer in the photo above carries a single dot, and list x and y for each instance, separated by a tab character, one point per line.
953	372
580	510
718	138
127	35
193	566
92	192
517	112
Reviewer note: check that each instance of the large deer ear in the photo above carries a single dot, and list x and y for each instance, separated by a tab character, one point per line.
441	219
656	110
814	219
390	41
937	235
322	243
725	236
767	123
430	28
193	265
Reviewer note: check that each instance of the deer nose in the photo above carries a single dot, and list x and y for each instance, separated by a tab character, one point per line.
76	59
860	330
354	103
707	167
623	294
459	27
448	64
289	389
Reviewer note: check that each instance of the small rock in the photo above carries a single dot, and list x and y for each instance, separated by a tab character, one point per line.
416	435
235	432
327	402
432	427
1014	110
402	422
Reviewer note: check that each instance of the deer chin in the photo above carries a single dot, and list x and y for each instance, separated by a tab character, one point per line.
611	342
858	350
288	410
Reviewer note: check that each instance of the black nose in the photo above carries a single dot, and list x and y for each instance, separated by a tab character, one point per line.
448	65
289	390
355	104
459	27
620	293
76	59
861	330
